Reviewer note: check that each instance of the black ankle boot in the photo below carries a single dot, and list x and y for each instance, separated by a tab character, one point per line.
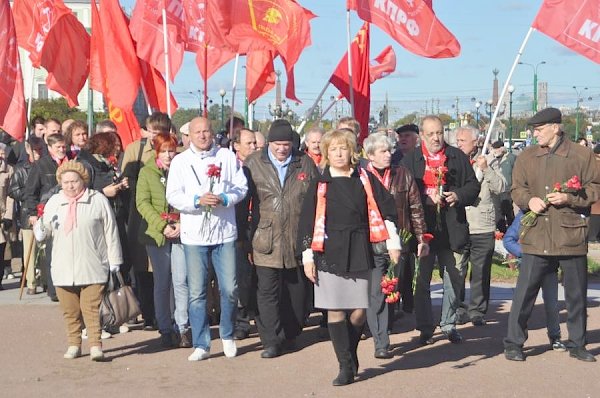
338	332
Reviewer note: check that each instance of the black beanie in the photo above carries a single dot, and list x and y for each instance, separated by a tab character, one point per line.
281	130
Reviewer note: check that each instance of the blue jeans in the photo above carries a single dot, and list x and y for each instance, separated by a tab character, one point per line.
223	260
180	286
163	296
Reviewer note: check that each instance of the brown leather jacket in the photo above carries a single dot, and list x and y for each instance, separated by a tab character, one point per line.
411	216
560	230
276	210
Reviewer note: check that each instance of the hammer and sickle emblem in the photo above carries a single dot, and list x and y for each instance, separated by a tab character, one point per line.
115	114
272	16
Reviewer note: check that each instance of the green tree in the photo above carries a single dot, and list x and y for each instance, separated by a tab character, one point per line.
182	116
408	119
59	109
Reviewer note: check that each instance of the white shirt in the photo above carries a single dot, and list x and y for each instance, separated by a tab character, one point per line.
188	179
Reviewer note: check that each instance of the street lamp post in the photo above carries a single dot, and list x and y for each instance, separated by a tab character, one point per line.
199	96
534	104
477	106
579	99
222	94
511	90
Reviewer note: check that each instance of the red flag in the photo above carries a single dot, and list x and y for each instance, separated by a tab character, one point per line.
413	24
57	41
12	101
127	125
385	63
155	88
119	64
195	40
260	74
574	24
361	87
147	30
243	26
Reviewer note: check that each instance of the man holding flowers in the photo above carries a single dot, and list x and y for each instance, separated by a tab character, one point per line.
447	184
553	232
204	184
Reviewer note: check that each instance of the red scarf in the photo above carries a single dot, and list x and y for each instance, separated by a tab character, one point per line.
377	230
316	158
434	163
59	161
386	180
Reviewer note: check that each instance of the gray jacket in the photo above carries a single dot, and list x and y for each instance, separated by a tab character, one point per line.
482	215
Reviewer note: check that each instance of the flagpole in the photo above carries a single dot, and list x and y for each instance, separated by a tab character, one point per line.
323	113
30	100
146	97
235	71
349	61
312	108
505	89
166	52
205	112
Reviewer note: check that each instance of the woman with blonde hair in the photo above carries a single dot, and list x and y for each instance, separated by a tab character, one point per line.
85	247
346	210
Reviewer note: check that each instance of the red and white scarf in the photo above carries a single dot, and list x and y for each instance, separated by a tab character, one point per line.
432	163
377	230
386	180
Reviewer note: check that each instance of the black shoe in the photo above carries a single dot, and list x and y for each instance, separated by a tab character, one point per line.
478	321
185	340
582	354
383	353
558	345
462	318
425	339
288	345
271	352
453	336
54	298
169	340
240	334
514	354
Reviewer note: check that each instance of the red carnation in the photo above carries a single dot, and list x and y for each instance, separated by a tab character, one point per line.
302	176
427	237
40	210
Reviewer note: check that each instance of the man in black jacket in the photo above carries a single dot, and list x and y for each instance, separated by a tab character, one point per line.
41	185
447	184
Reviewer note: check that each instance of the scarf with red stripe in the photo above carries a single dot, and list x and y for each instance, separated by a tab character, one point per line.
377	230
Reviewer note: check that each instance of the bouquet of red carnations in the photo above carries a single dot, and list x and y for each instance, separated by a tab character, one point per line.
571	186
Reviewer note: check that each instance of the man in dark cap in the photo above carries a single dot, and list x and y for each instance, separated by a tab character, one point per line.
408	136
556	236
279	176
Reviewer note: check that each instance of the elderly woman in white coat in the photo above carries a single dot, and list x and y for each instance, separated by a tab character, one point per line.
85	247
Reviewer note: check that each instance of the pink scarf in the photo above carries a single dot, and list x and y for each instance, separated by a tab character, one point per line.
71	220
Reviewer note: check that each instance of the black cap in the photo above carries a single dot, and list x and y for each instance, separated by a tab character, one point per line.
408	128
545	116
497	144
281	130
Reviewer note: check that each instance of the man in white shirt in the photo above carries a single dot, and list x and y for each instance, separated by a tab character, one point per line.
206	201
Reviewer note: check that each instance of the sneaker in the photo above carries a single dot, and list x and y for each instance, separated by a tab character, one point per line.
199	354
123	328
229	348
103	335
478	321
96	354
10	276
72	352
453	336
558	345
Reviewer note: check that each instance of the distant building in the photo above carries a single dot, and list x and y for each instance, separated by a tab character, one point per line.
542	95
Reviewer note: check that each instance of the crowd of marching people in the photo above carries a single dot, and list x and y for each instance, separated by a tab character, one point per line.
237	227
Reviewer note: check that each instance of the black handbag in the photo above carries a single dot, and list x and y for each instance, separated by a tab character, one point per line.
119	304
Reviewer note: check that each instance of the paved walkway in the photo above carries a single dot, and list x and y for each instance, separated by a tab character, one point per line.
33	339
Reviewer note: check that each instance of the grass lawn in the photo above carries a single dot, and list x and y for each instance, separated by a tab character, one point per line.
502	273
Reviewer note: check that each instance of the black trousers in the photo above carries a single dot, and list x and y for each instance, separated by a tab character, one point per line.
281	304
479	253
532	272
144	289
407	272
594	228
